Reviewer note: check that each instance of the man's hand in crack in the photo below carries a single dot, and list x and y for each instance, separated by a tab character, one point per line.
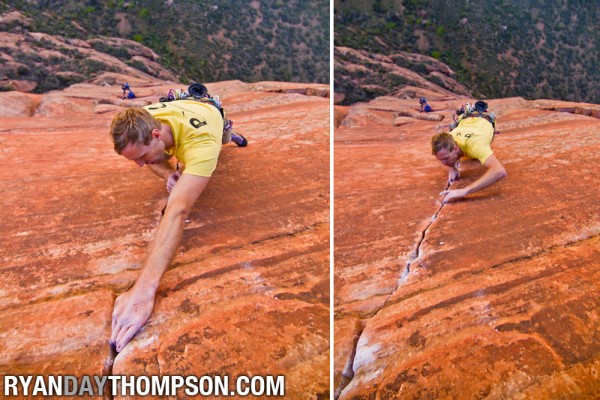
453	194
453	174
495	172
132	310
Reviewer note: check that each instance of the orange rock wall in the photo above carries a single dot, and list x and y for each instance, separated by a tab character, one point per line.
494	296
248	291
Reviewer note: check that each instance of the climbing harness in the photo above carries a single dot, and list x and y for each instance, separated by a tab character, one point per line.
479	110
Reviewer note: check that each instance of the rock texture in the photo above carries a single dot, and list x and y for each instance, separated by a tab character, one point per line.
491	297
36	61
247	293
361	75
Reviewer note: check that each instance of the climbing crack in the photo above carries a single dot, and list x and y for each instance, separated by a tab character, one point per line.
107	370
348	372
417	252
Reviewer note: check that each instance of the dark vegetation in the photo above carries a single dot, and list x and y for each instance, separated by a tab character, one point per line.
199	40
498	48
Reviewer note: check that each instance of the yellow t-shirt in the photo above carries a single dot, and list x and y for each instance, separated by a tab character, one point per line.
474	136
197	131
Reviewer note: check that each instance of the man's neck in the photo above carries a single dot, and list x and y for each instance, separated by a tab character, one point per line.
167	136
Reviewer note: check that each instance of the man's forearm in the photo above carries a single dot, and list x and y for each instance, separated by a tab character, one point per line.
490	177
495	172
170	230
133	308
163	170
163	249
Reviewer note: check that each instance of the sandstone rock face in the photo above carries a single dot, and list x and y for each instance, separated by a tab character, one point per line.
309	89
20	86
494	296
389	111
248	291
421	115
364	117
362	75
17	104
399	121
30	57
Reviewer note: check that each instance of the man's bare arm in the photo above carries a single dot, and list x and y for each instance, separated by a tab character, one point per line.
495	172
133	308
163	169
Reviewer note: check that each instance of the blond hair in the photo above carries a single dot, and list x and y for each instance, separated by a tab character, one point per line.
134	125
442	141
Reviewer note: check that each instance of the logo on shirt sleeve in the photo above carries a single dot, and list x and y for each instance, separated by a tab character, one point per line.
196	123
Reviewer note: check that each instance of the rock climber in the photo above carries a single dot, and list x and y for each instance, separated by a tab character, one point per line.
125	87
470	137
424	107
192	132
